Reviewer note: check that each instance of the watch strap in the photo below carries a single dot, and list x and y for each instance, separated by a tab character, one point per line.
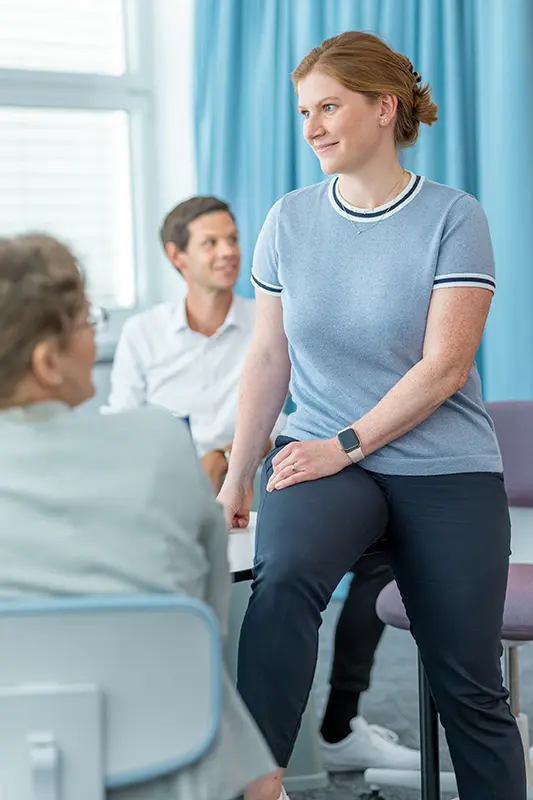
355	455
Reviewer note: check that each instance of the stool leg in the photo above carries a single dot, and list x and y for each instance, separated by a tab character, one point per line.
511	677
513	685
429	737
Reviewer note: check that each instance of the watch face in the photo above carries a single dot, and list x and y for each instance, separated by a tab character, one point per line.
348	439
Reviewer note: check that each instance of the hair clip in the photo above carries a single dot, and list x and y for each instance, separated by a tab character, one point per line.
417	76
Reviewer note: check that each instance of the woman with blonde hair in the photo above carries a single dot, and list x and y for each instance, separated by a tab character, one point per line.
94	504
373	288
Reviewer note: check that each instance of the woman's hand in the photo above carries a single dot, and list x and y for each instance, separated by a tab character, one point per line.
237	502
306	461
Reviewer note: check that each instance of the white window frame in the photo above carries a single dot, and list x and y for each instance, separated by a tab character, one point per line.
132	92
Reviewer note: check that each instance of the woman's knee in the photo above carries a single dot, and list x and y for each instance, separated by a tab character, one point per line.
293	576
465	684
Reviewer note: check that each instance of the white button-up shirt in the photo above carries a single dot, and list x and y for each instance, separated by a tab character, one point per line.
160	361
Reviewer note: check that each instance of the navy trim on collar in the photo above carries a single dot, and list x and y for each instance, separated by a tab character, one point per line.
359	215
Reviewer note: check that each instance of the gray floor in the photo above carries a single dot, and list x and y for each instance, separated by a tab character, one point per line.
392	702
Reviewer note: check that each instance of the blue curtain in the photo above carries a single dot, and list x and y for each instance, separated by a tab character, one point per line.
476	54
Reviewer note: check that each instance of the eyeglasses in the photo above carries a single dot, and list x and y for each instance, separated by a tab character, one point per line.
97	318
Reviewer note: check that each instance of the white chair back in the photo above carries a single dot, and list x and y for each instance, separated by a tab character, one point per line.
101	693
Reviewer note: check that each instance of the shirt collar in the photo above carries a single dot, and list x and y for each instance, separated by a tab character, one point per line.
234	319
179	317
373	215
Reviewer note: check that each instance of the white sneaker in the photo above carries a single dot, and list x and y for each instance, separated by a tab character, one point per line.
368	747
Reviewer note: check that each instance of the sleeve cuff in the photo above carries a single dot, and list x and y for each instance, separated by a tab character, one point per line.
462	279
268	288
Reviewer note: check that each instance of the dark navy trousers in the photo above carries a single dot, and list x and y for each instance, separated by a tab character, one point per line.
449	544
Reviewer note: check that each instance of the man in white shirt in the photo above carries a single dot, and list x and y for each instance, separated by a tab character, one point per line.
188	357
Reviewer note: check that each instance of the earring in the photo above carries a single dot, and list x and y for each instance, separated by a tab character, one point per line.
384	121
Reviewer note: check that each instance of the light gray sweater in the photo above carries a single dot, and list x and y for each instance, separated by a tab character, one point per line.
93	504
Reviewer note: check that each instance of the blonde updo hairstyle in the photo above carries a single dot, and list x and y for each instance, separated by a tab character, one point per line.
363	63
42	292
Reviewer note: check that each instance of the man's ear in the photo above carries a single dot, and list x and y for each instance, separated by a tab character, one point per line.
175	256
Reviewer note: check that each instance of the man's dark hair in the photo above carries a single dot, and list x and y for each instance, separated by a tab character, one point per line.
175	227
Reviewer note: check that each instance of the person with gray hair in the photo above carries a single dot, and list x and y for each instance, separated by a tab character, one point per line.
94	504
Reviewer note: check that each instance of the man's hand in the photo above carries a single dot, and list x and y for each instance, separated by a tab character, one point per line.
215	466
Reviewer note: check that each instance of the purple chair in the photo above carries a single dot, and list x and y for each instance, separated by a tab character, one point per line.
513	422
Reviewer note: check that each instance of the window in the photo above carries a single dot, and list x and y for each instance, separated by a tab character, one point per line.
76	153
63	36
87	202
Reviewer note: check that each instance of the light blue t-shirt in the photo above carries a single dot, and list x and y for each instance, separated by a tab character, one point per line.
355	289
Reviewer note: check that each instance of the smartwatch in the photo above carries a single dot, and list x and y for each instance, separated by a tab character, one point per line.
349	442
